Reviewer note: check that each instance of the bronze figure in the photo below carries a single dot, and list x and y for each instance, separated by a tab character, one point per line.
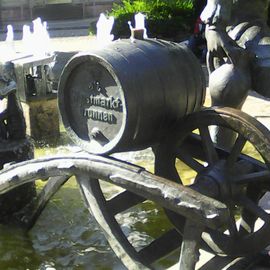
237	34
238	57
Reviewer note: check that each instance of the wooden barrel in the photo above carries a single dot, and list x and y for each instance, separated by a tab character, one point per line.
126	96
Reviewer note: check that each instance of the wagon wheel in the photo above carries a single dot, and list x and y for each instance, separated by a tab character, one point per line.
88	168
238	180
105	211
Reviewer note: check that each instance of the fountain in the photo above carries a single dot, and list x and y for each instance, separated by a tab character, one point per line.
139	31
7	48
27	40
34	79
10	38
41	38
143	80
47	39
104	28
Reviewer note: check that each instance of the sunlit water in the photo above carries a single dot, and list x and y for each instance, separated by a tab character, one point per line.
67	237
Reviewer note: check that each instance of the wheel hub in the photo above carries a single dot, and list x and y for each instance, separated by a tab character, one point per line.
232	176
217	181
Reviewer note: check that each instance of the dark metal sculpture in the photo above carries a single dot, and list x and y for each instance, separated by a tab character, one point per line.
12	124
236	30
139	184
238	57
113	100
237	180
120	107
14	147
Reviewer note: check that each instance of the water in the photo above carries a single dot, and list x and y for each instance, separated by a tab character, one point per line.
104	28
67	237
63	238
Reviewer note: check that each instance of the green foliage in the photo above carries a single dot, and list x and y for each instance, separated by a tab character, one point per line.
165	18
92	28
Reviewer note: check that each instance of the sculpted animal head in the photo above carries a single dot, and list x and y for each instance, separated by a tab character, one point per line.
217	12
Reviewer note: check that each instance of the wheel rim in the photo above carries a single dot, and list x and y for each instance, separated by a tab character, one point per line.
86	168
221	176
82	167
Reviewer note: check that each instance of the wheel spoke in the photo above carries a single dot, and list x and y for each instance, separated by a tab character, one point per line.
256	177
51	187
208	145
93	196
232	226
123	201
189	160
248	219
223	149
247	223
190	246
254	209
236	150
161	246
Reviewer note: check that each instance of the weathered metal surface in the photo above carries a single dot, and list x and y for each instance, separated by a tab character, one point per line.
15	200
190	246
127	95
33	76
118	241
144	93
247	34
40	201
237	180
238	40
14	147
33	80
169	194
12	122
60	60
89	168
